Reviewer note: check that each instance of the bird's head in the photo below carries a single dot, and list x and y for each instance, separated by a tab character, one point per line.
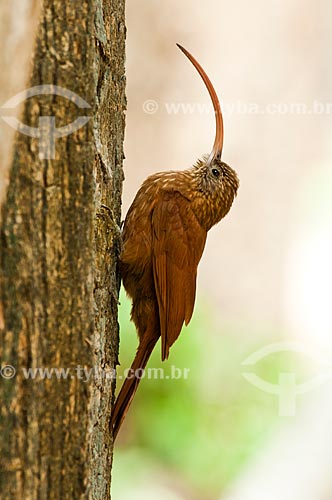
216	182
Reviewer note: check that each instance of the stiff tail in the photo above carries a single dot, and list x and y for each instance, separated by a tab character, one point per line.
130	385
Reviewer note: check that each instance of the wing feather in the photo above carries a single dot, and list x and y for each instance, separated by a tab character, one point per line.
178	242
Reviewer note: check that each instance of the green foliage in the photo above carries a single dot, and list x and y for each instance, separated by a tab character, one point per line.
202	428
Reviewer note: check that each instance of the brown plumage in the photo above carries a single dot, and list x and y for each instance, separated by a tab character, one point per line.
164	236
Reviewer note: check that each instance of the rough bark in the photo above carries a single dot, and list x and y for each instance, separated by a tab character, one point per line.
59	246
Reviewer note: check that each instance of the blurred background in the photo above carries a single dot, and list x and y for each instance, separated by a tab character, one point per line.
242	409
252	419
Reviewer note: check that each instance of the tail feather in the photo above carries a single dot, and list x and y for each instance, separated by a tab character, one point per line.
129	387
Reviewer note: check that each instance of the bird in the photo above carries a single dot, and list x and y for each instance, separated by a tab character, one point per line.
163	239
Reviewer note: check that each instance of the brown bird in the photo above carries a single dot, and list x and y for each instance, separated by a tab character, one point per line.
164	236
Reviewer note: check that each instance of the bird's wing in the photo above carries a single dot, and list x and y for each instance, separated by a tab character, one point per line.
177	245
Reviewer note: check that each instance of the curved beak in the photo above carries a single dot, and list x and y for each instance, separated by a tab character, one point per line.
219	138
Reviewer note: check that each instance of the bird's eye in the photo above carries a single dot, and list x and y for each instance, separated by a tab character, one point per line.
215	172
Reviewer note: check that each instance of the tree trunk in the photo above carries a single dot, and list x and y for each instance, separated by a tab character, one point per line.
60	240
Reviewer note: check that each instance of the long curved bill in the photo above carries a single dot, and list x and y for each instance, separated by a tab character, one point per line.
219	138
